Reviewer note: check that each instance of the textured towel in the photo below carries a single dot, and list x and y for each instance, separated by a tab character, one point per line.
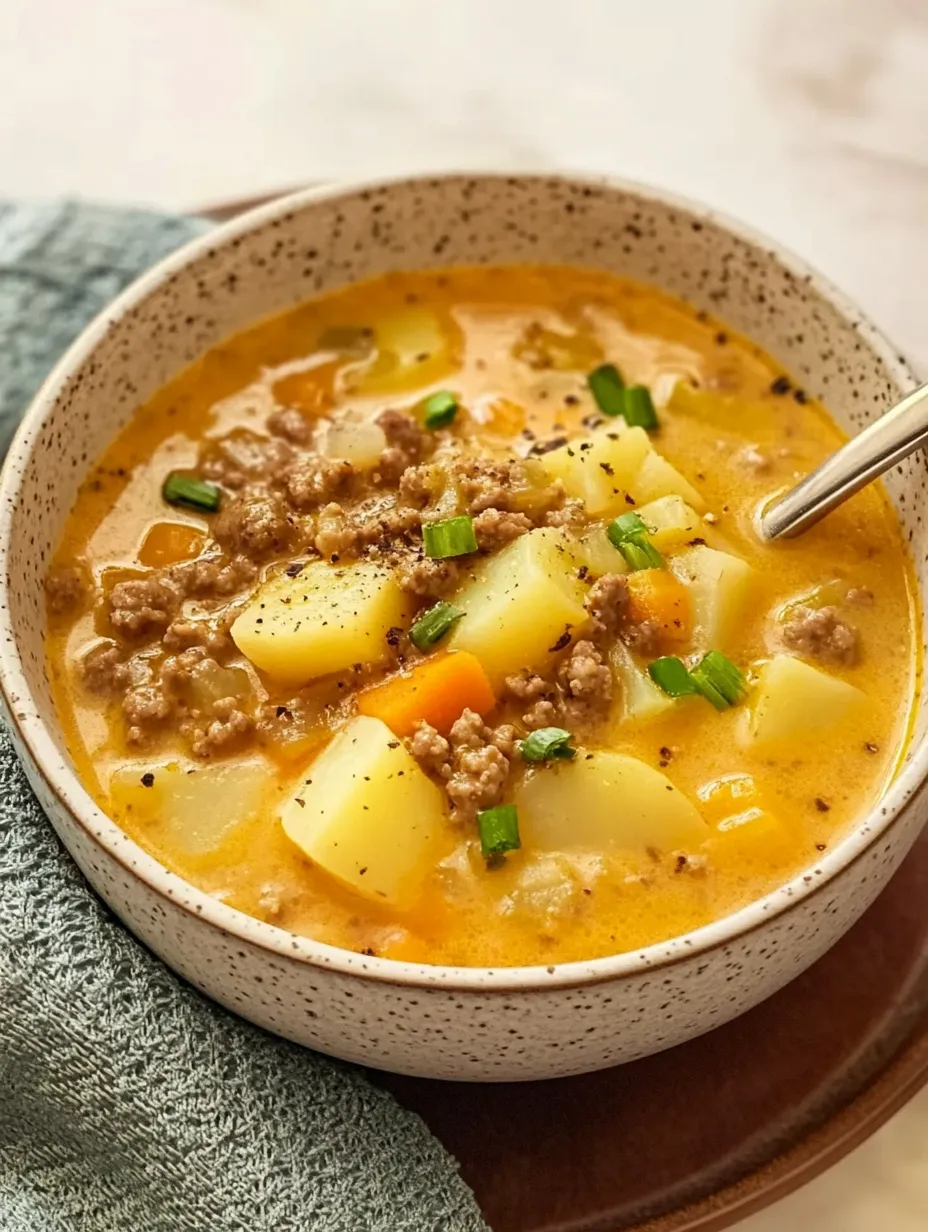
127	1101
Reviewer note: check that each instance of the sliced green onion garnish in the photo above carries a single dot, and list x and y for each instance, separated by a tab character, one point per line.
440	409
629	534
434	624
499	830
671	675
642	555
452	537
639	409
608	389
547	742
630	527
719	680
191	493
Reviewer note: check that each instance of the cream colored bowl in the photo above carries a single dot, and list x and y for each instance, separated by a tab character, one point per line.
514	1023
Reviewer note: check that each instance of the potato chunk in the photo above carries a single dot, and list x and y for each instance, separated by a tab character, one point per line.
607	801
191	806
671	521
718	584
366	813
657	478
794	701
321	621
600	468
599	553
641	699
521	601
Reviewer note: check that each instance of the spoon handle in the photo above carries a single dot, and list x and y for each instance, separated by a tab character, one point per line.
892	437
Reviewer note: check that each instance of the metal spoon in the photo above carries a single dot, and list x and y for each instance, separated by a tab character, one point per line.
892	437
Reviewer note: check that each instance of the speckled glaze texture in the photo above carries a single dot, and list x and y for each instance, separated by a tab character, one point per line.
517	1023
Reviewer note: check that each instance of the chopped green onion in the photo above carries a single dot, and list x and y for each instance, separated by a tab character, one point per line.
643	555
608	389
630	527
671	675
719	680
191	493
499	830
440	409
629	534
547	742
639	408
452	537
434	624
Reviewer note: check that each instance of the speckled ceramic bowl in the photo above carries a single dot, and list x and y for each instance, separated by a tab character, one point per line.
514	1023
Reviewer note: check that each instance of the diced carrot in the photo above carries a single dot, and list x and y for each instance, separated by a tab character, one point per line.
166	543
437	691
656	595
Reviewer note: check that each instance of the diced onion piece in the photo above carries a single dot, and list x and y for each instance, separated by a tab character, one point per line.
360	442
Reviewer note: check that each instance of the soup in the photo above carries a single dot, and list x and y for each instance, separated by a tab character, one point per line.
428	619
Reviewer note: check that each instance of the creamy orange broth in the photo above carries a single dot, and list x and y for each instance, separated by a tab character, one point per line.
470	914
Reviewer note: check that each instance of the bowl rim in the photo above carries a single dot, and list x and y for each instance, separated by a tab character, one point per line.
61	780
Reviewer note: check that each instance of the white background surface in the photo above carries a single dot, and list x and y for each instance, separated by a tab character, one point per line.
808	118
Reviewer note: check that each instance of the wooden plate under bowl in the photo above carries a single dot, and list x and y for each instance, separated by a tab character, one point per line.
696	1138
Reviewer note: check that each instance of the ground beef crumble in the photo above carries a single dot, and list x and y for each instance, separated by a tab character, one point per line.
587	683
103	668
495	528
607	604
143	606
538	696
289	423
473	763
314	481
407	444
820	633
255	526
66	588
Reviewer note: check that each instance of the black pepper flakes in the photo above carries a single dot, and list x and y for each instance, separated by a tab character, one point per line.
801	396
780	386
295	569
822	805
148	780
562	641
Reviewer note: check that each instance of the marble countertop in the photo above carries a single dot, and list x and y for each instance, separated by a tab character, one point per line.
808	118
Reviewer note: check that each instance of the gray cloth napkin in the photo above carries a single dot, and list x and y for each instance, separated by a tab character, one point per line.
128	1101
